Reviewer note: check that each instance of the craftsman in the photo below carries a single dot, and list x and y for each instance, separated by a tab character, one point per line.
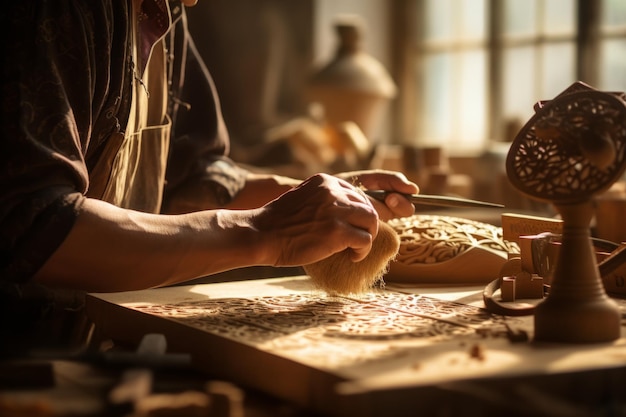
113	181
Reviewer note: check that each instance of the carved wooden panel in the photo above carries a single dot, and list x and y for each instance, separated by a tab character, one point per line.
371	355
310	326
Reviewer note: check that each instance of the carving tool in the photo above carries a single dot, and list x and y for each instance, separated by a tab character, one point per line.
434	200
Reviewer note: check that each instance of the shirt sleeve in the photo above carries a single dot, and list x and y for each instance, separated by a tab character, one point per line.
53	94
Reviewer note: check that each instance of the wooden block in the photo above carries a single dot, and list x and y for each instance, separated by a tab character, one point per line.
615	280
507	289
516	225
528	286
526	252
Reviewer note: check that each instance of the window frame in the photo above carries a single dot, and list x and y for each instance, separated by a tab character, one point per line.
407	61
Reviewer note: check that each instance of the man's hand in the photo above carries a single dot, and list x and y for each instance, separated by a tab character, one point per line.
318	218
395	205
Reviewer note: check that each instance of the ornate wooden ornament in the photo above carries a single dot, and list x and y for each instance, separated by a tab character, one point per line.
573	148
447	250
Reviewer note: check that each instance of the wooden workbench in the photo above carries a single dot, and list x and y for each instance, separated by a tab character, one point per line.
389	352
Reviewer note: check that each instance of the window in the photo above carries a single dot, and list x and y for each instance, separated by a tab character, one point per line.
612	71
538	57
453	72
476	67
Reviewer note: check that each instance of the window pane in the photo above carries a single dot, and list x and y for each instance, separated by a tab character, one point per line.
519	94
520	17
438	21
613	68
470	130
455	19
558	68
614	13
437	95
473	21
559	16
613	50
455	101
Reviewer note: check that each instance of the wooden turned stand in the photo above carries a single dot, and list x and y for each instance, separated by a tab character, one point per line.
577	309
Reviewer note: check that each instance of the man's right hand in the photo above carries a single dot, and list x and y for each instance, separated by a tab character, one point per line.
321	216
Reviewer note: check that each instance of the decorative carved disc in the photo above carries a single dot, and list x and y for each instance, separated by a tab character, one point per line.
572	148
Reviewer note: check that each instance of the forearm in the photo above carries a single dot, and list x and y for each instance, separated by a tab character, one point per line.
260	189
113	249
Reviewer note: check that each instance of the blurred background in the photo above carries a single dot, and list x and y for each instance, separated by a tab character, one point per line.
434	88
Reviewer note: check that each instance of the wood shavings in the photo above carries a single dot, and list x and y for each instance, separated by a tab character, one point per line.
477	351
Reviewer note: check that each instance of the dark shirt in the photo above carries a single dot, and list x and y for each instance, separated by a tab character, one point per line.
66	92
